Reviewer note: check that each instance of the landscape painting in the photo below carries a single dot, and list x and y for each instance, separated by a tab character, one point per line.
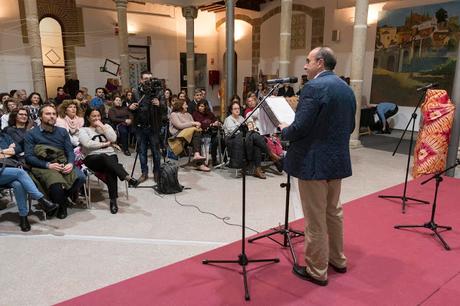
414	47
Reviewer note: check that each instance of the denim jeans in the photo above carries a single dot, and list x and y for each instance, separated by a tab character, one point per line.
22	184
81	179
146	138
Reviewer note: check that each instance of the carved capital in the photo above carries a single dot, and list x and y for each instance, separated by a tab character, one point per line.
190	12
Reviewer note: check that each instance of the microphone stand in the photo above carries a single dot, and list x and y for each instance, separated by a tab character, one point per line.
404	197
286	231
243	260
431	225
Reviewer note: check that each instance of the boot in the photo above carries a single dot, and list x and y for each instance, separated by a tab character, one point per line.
62	211
48	206
24	223
259	173
132	182
273	156
113	206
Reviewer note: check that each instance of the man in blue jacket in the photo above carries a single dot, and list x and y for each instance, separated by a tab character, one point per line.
319	157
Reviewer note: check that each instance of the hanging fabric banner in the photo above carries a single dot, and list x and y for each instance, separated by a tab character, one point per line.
433	138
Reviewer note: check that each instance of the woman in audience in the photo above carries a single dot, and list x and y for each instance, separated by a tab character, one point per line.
251	103
96	140
33	103
8	106
18	124
255	143
68	118
82	102
180	120
261	91
209	125
21	182
3	97
128	98
121	118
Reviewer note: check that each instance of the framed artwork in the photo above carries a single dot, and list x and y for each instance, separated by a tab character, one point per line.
415	46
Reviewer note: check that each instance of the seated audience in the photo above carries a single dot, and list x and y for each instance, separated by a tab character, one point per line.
180	123
69	119
21	183
261	91
82	101
251	103
286	91
20	95
129	98
33	103
8	106
49	152
96	140
61	95
3	97
209	125
18	124
121	119
255	143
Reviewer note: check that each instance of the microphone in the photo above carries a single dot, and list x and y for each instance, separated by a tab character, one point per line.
426	87
282	80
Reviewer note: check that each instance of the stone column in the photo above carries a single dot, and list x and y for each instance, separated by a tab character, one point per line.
123	41
33	29
357	63
230	52
190	13
455	132
285	37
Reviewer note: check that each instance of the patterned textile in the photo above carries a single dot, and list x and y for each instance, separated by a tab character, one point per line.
433	138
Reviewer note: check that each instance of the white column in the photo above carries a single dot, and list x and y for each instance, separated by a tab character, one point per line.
33	30
285	38
123	41
357	63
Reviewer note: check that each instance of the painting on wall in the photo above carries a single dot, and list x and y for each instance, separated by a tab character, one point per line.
414	47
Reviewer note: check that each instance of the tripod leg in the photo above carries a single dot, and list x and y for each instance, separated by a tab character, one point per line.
444	243
247	297
274	232
408	226
291	248
417	200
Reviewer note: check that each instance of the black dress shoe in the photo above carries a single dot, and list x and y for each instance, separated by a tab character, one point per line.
24	223
62	212
113	206
338	269
127	153
302	273
48	206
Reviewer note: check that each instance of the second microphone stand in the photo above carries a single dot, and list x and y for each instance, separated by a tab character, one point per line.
243	260
404	196
287	232
431	225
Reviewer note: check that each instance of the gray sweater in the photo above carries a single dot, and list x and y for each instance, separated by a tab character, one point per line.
92	146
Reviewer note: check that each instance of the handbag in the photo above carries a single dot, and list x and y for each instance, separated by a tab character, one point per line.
8	162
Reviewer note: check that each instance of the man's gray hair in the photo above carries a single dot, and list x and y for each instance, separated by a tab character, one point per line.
327	55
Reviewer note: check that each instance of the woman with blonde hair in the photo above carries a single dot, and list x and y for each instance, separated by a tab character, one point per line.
70	119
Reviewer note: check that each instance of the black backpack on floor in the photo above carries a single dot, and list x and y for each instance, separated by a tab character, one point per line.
168	182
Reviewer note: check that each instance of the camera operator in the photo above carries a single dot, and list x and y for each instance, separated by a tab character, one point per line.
149	112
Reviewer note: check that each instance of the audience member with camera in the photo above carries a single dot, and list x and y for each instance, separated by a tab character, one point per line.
149	114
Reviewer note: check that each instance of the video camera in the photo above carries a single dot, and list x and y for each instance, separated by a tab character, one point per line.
152	88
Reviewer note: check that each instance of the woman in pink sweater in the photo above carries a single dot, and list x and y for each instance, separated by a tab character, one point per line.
180	119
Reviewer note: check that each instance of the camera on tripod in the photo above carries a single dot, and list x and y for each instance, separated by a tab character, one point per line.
152	88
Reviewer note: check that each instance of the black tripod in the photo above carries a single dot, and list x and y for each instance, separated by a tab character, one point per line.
287	232
432	224
404	197
243	260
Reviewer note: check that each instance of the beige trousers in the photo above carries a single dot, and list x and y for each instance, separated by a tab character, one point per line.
323	225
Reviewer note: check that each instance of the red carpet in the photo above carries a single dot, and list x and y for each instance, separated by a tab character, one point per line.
386	266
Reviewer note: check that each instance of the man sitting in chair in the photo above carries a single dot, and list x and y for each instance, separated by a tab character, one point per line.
49	152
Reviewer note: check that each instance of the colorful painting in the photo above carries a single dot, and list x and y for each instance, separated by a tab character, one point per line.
414	47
